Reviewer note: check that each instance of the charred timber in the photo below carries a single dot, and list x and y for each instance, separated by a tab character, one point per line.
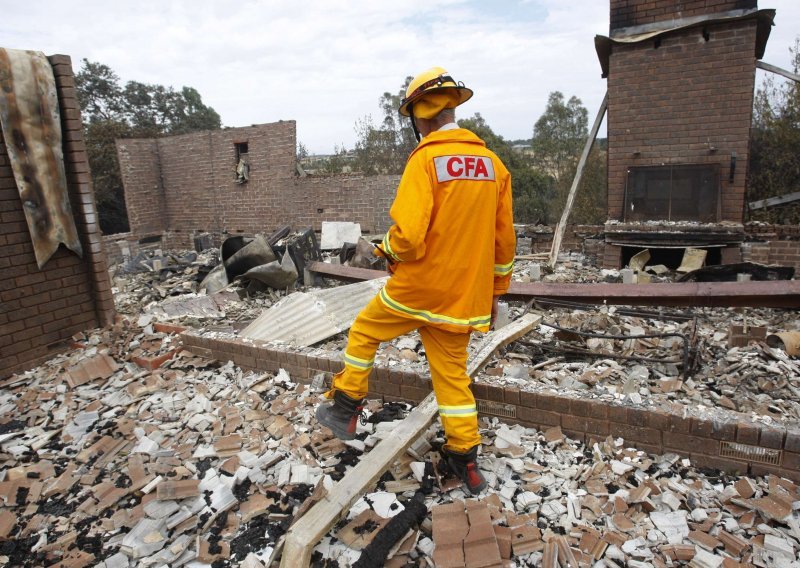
774	294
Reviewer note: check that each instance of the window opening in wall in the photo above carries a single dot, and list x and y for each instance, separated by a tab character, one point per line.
242	162
685	192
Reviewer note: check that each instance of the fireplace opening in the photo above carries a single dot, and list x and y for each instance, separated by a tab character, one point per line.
670	257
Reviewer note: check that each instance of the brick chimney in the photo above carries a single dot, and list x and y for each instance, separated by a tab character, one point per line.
681	77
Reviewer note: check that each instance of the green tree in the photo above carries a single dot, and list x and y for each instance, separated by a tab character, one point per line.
384	149
558	140
532	190
774	168
337	163
135	110
591	204
559	136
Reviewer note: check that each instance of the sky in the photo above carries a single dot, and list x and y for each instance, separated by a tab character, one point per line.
326	63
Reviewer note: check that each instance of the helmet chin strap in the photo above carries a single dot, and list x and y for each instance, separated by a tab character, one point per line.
414	123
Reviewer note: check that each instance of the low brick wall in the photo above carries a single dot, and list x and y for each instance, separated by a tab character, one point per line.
765	244
734	443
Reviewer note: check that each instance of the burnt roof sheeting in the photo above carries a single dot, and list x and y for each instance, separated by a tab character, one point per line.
32	131
636	34
305	318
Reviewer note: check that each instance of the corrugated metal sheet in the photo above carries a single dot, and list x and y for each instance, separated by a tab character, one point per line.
31	125
306	318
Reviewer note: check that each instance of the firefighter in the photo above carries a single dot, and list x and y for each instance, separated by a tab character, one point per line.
450	251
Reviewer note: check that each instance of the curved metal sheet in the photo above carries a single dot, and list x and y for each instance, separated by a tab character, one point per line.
305	318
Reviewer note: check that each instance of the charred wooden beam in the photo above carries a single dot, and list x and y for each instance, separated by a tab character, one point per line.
778	294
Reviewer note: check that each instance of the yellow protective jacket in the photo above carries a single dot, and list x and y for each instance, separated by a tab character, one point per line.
453	235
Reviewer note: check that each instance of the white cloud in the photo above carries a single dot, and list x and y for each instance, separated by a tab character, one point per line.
325	63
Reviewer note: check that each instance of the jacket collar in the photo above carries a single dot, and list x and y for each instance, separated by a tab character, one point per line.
455	135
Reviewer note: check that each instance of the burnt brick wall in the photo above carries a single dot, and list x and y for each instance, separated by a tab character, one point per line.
626	13
672	103
182	185
356	198
773	244
41	309
141	177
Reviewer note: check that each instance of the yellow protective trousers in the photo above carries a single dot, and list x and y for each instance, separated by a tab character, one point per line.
447	357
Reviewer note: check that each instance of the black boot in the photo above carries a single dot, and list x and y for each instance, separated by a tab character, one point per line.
341	416
465	466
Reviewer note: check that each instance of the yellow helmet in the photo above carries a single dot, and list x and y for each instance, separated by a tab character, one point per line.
432	91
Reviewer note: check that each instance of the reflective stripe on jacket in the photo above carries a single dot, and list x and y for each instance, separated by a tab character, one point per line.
453	235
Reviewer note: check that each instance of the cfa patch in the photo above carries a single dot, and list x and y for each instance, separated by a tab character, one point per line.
478	168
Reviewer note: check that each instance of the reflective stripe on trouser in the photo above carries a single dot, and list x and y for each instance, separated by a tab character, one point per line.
447	357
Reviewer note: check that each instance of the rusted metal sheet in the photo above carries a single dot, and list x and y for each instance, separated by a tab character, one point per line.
774	294
789	341
32	131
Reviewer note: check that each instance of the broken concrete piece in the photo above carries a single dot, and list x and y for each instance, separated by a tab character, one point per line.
335	233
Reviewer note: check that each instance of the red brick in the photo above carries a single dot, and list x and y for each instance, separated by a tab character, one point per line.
578	407
658	419
598	410
574	423
246	361
637	416
528	399
618	414
413	393
538	417
747	433
382	374
480	391
724	431
792	441
679	425
636	434
771	437
701	428
385	388
690	444
561	404
511	395
494	393
791	460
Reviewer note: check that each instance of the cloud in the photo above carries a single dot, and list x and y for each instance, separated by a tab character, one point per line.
325	63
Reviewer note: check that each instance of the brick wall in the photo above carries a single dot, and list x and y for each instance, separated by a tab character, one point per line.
773	244
115	246
656	430
185	184
765	244
577	238
626	13
672	103
356	198
42	308
144	193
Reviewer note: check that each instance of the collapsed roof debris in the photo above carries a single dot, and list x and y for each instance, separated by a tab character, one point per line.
129	451
200	463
